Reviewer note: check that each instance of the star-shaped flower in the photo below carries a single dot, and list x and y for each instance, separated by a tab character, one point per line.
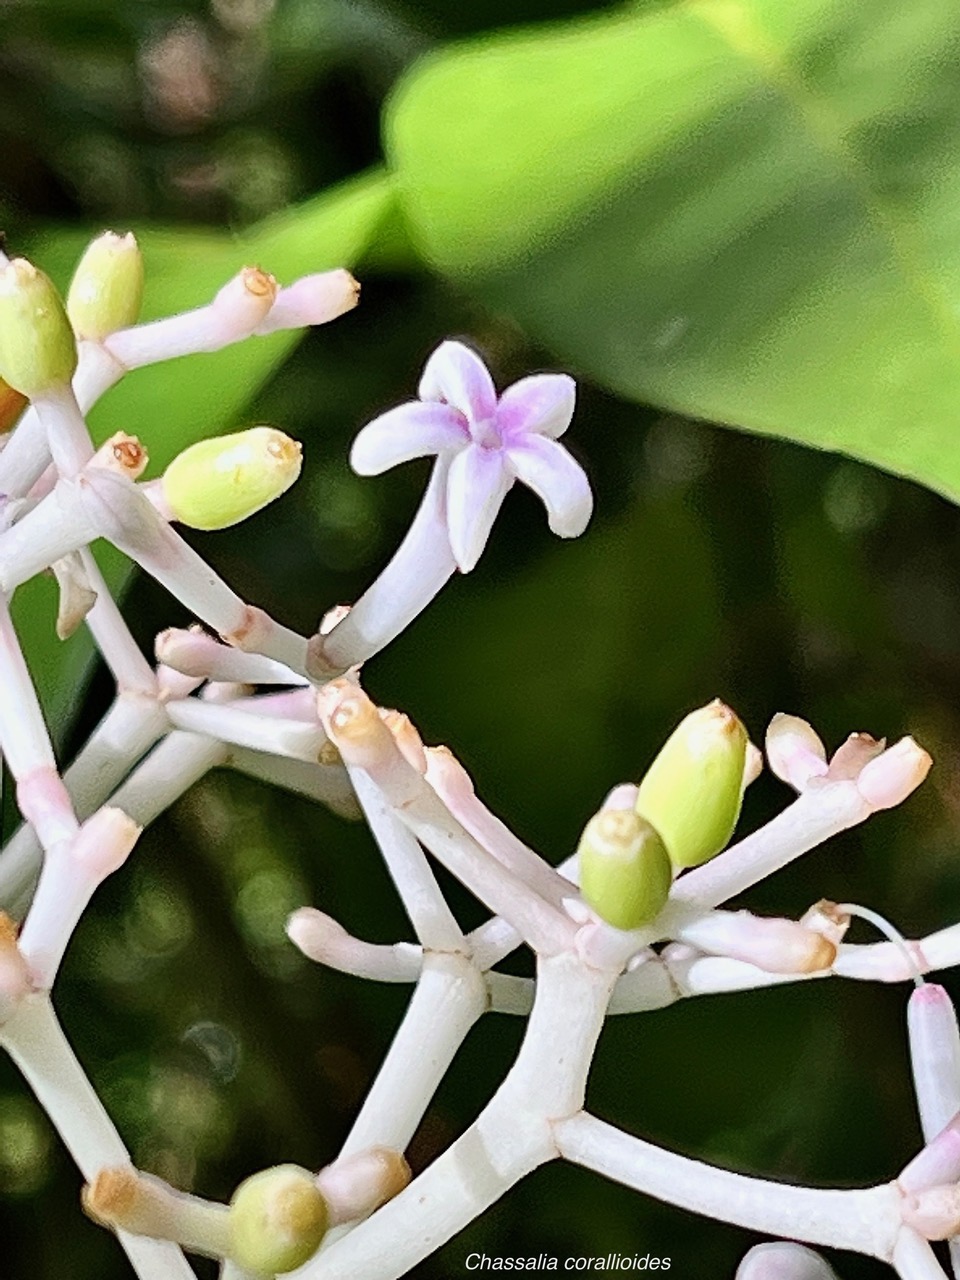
484	443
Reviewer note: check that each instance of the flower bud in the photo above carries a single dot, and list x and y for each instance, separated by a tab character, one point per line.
692	791
277	1219
219	482
779	1260
107	287
625	871
37	347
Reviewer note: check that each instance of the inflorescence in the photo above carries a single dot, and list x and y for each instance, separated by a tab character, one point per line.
646	926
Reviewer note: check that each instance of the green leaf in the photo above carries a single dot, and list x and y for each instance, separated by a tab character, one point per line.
171	405
741	209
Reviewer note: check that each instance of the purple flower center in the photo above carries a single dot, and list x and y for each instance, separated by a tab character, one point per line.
486	433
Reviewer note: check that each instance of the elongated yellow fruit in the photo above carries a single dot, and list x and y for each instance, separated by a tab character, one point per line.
277	1220
221	481
625	871
692	791
38	352
107	287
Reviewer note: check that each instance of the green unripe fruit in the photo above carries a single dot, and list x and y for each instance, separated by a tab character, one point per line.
692	791
277	1220
107	287
219	482
625	870
38	352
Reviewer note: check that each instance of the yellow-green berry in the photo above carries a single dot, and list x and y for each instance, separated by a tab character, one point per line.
221	481
106	292
38	352
278	1218
692	791
625	871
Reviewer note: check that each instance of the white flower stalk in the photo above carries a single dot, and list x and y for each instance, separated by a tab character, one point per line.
324	940
352	723
126	1199
781	1261
72	872
819	813
780	946
36	1043
483	444
195	653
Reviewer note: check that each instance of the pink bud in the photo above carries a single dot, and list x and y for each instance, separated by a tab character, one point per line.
794	751
623	796
312	300
356	1185
935	1056
892	776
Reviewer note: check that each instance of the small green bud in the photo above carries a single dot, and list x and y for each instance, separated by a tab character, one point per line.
107	287
219	482
37	347
625	871
692	791
277	1220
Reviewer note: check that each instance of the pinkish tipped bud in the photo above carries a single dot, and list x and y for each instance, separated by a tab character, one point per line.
38	352
315	934
311	300
935	1056
357	1185
887	781
245	301
692	792
794	751
778	1260
107	288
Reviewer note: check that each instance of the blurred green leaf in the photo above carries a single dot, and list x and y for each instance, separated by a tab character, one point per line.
170	405
741	209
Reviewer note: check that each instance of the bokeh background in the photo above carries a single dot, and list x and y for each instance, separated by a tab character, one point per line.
717	564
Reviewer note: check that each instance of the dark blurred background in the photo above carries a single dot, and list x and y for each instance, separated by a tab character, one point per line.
717	564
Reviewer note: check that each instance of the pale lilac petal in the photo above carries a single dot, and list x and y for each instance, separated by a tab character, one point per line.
458	376
412	430
478	483
542	404
557	480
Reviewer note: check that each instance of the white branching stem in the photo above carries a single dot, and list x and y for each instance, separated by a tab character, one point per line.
35	1041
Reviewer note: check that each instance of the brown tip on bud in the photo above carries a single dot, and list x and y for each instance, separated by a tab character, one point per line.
822	954
259	283
8	932
12	404
396	1171
112	1196
329	755
129	453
